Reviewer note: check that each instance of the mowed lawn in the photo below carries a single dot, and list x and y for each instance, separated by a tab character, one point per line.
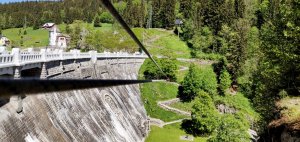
33	38
159	91
171	45
169	133
110	37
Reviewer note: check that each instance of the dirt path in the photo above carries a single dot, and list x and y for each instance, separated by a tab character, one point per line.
160	123
166	106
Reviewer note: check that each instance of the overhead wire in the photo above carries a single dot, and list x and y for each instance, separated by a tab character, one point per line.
33	86
119	18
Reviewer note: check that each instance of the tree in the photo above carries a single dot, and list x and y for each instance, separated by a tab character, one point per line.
106	17
225	80
204	114
236	54
185	8
169	67
76	35
68	29
198	79
203	40
168	13
230	130
97	22
250	66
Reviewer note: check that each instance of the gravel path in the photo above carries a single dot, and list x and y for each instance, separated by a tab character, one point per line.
165	105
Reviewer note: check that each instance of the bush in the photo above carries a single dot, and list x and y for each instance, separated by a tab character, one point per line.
204	116
97	22
206	56
198	79
230	130
106	17
225	80
169	67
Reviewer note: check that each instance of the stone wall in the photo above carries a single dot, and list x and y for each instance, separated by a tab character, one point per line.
99	114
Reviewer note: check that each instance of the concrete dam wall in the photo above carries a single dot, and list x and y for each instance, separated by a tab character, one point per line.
99	114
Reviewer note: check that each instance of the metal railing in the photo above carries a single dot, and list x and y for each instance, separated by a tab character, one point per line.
18	58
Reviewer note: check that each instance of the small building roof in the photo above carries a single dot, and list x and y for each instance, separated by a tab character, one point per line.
48	25
178	22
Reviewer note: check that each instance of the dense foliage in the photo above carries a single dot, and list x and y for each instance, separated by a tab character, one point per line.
204	114
260	40
204	118
198	79
168	66
135	12
230	130
225	80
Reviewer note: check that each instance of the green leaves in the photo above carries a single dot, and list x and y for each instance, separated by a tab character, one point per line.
230	129
198	79
225	80
169	66
204	115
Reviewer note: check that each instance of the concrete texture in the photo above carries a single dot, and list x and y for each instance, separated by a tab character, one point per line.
100	114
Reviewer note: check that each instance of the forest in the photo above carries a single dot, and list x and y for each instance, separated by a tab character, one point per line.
256	44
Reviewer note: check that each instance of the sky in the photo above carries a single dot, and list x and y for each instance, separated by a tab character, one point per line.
7	1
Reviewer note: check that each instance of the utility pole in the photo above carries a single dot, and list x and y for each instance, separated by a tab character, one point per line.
149	24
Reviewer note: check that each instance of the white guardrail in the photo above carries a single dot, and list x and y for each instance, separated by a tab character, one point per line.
18	58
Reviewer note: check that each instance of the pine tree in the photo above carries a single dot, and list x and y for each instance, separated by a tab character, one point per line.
168	13
225	80
97	22
68	29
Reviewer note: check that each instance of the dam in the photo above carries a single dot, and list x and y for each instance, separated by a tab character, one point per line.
99	114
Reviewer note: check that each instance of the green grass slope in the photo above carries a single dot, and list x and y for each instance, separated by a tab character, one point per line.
170	133
33	38
159	91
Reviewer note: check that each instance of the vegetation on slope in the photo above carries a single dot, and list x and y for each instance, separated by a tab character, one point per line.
159	91
169	133
33	38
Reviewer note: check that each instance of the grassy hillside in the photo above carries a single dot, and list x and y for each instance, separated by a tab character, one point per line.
170	133
33	38
108	37
159	91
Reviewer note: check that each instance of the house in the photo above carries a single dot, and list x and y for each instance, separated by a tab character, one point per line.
56	38
4	41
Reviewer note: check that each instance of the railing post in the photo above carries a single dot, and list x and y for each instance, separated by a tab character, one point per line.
61	57
16	56
93	56
17	73
43	53
44	60
61	54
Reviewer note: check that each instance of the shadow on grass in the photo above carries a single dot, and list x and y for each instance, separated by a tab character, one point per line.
188	126
183	97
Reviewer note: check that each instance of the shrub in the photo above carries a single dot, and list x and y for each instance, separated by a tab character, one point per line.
204	115
198	79
97	22
169	67
106	17
225	80
230	130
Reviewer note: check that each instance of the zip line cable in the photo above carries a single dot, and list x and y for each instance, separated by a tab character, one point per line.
119	18
34	86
